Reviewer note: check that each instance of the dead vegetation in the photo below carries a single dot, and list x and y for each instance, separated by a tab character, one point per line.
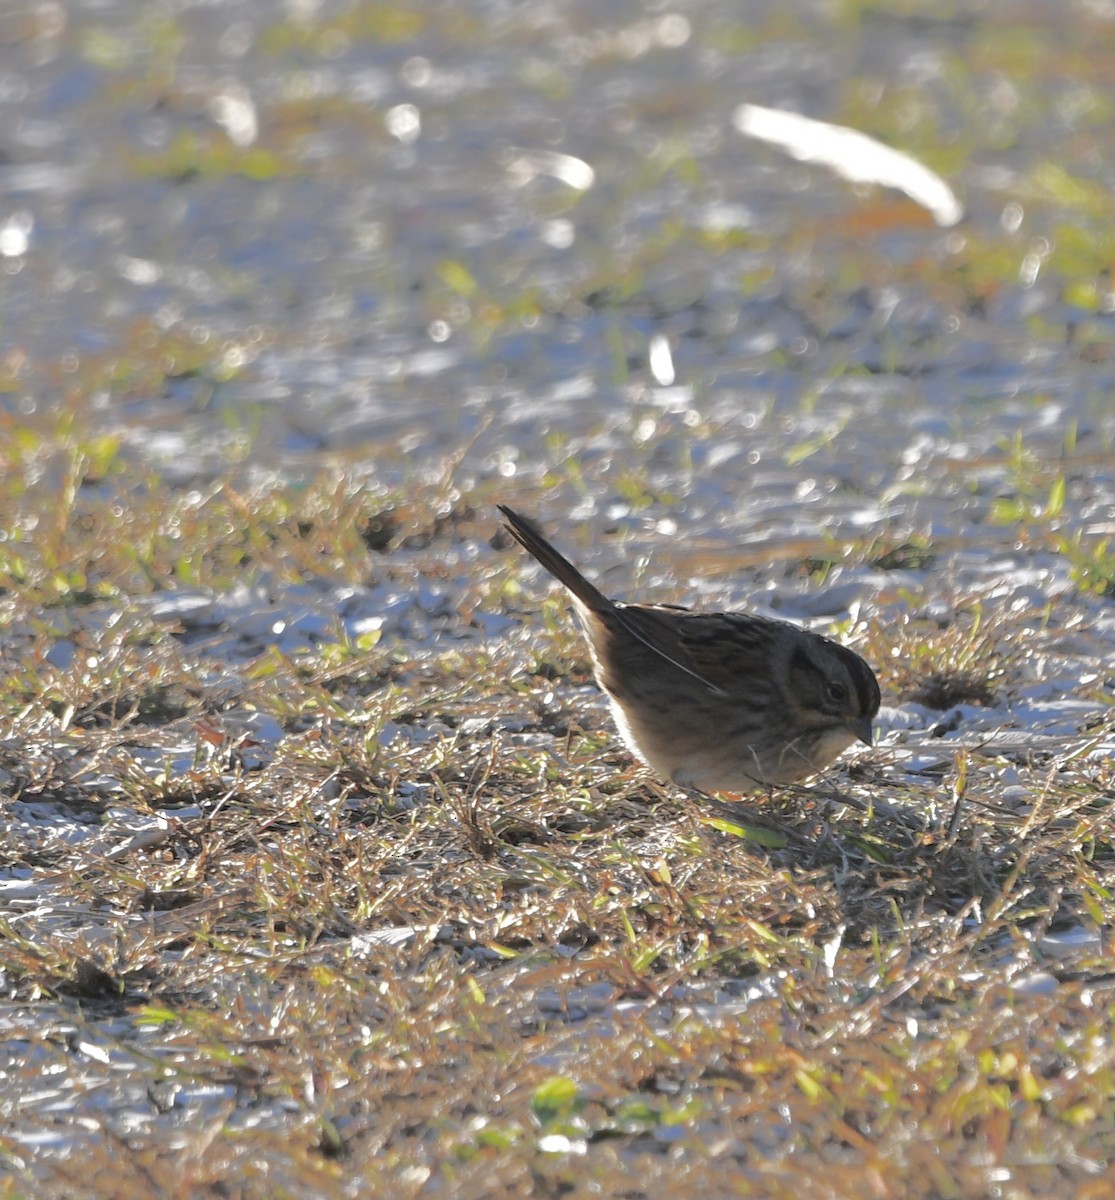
431	931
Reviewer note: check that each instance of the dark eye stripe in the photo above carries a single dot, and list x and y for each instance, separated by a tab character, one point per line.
867	686
800	661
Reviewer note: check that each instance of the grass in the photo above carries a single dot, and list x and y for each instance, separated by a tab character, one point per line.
386	909
444	936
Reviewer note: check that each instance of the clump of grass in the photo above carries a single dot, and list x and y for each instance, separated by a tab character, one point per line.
964	658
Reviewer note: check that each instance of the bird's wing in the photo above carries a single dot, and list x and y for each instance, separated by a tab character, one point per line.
731	650
722	650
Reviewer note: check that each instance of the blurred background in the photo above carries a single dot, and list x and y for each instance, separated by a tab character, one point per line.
268	237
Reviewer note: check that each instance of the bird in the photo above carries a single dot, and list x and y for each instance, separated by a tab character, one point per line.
716	701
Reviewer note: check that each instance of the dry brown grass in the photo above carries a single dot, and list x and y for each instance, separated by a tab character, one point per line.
445	938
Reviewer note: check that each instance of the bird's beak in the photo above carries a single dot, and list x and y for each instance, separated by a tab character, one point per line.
862	730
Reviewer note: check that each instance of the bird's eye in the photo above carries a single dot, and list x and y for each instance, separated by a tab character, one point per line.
837	691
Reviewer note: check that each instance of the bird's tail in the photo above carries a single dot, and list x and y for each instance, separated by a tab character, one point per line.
527	535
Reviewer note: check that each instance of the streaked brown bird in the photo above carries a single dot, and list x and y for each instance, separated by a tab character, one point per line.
716	702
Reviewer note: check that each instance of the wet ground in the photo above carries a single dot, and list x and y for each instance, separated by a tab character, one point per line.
526	240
